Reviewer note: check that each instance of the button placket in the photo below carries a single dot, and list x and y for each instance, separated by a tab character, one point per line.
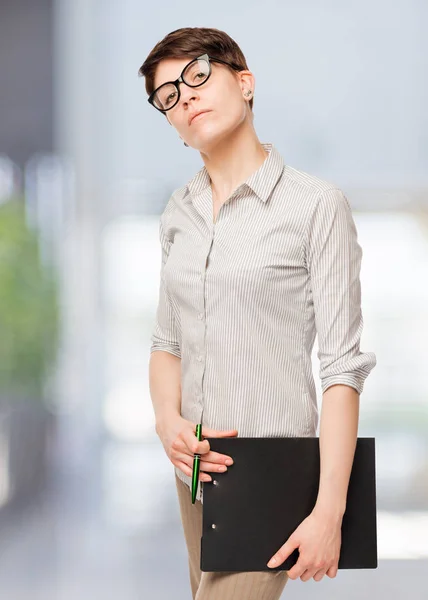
200	352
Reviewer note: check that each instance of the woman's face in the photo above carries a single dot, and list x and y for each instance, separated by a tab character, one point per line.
222	95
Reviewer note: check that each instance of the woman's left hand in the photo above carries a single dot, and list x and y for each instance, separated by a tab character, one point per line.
318	538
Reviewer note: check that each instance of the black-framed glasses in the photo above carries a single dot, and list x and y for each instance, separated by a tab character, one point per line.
194	74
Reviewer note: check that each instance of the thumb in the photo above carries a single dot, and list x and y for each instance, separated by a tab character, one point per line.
284	552
208	432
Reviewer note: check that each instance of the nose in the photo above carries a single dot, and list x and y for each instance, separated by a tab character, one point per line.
187	93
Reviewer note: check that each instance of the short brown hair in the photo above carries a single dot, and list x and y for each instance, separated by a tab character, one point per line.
192	42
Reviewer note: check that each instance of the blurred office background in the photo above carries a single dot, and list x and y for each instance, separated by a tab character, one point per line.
88	506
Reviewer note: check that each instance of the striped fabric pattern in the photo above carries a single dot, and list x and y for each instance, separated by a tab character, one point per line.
242	299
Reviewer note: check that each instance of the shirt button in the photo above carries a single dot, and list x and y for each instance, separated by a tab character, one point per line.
201	316
199	358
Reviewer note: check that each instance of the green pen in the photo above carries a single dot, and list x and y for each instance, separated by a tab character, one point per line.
196	462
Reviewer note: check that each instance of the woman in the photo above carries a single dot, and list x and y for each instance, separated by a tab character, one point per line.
257	258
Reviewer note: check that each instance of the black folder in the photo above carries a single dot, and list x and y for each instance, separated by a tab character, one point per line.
250	511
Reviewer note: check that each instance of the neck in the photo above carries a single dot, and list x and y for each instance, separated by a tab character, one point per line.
233	160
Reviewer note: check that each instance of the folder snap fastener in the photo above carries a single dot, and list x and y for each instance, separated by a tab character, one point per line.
215	482
213	525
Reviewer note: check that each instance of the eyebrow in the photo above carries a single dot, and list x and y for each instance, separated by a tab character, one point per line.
182	69
172	80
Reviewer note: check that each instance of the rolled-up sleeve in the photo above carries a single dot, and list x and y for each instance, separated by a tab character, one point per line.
165	334
333	257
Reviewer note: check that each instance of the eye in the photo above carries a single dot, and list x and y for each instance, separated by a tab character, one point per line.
170	97
199	76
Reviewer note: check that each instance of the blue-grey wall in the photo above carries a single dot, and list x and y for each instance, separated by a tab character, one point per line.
26	97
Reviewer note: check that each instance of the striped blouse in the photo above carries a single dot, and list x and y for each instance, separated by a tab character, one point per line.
242	299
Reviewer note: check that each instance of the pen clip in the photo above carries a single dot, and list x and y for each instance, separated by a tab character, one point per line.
200	424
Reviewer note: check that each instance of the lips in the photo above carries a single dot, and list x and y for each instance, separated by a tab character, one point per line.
196	114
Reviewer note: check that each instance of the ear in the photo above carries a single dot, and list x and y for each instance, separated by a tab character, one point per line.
246	81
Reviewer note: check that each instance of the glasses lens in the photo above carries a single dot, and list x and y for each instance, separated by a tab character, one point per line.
166	96
196	73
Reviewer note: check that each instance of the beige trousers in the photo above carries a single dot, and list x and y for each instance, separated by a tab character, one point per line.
227	585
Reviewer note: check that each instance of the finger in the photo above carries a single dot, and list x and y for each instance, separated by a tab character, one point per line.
319	574
203	447
215	458
180	450
188	471
305	576
203	465
283	553
193	445
309	572
332	572
298	570
208	432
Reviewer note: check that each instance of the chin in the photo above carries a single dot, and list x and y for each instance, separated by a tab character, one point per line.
210	139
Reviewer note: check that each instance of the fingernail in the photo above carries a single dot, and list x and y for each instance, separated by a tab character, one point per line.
272	562
229	461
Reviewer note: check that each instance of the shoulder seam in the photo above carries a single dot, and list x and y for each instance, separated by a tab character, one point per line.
314	185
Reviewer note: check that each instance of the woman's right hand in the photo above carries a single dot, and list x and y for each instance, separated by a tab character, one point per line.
178	437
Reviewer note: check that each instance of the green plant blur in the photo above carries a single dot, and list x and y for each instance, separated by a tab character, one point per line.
28	308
